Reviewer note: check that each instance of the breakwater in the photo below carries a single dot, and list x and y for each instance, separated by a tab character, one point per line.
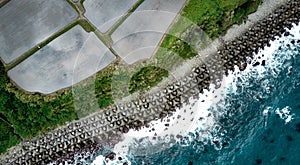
106	126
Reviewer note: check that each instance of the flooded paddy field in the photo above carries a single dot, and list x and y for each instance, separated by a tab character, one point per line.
139	35
103	14
26	23
63	62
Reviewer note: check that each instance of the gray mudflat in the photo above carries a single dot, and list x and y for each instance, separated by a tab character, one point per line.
65	61
104	13
144	29
25	23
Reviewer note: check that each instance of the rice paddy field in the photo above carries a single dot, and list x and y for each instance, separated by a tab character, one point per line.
65	61
139	35
103	14
47	47
24	24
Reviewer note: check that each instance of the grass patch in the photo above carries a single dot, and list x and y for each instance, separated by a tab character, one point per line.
86	25
7	137
103	91
32	114
147	77
214	17
178	46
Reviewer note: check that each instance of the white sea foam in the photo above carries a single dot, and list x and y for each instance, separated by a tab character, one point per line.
190	118
183	121
202	112
285	114
101	160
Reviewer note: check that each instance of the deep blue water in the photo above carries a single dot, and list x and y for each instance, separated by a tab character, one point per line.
258	116
256	134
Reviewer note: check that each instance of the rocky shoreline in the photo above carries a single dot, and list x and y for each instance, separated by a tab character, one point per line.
80	150
106	127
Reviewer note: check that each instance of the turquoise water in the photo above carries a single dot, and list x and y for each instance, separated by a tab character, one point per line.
261	115
256	119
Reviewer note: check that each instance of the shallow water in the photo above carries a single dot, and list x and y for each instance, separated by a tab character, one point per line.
252	119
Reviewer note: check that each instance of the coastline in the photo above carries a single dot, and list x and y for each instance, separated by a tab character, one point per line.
223	112
195	79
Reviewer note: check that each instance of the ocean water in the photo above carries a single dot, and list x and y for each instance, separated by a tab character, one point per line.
253	118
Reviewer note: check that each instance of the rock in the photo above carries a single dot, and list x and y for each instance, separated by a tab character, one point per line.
125	129
258	161
293	42
256	63
289	138
243	66
179	136
111	156
298	127
282	159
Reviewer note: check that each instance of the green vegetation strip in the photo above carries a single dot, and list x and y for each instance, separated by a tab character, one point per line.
7	138
215	17
40	45
86	25
103	37
3	2
121	20
32	114
103	91
74	6
32	117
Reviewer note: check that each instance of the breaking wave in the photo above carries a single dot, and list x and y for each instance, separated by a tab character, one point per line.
253	110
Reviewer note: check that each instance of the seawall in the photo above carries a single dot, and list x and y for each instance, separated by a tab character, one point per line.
106	126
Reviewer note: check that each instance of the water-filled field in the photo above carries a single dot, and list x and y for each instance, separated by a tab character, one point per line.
103	14
253	118
26	23
137	38
65	61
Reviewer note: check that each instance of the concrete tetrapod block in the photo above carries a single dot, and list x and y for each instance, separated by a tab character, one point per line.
159	110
